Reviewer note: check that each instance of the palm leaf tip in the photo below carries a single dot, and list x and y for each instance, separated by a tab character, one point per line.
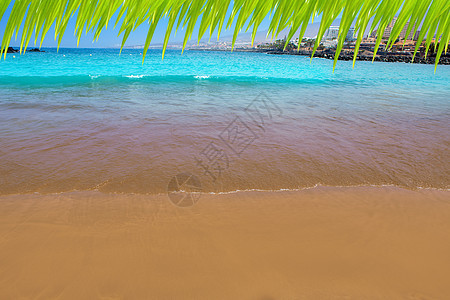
37	16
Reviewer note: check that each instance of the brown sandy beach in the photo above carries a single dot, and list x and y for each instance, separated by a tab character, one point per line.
321	243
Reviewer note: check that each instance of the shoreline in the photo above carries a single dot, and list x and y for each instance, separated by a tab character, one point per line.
323	243
316	187
329	54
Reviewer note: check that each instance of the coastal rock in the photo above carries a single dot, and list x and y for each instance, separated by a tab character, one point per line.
12	50
382	56
34	50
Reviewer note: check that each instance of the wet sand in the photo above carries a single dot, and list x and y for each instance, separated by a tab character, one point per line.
321	243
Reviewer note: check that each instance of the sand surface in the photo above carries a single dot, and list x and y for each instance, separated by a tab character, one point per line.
322	243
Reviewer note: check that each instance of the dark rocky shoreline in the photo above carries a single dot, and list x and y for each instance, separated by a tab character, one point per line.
381	56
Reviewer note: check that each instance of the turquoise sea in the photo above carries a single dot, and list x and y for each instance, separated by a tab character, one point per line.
91	119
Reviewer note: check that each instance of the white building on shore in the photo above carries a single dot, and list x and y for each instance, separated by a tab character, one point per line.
332	33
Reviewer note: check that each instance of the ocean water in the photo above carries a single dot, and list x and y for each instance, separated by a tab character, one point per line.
91	119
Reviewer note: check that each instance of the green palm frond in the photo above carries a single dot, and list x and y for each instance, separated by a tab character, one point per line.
37	16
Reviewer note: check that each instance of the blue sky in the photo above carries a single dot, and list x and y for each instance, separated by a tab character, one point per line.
110	38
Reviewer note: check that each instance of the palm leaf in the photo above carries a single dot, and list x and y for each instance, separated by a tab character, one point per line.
37	16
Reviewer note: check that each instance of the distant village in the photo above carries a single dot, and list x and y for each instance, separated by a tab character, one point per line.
401	51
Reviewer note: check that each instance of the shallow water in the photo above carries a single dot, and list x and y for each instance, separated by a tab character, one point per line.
85	119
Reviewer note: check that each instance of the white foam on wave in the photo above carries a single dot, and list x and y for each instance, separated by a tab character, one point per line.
318	185
96	190
263	190
134	76
201	77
